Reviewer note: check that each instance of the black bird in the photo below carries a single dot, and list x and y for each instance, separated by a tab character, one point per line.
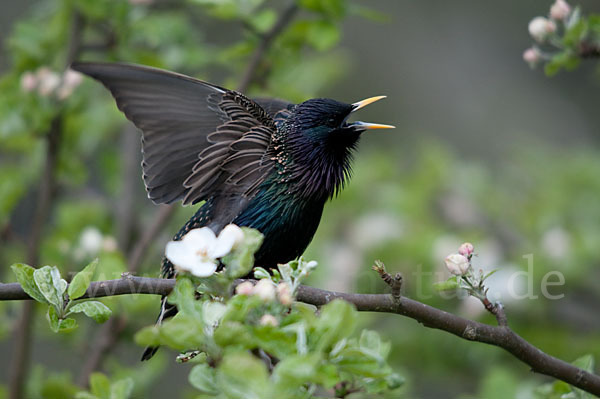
264	163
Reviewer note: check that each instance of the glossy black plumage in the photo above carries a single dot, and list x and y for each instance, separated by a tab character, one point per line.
266	164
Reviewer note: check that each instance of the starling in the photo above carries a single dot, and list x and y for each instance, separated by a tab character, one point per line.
263	163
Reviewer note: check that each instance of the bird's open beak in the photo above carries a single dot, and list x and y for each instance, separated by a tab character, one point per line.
365	102
364	125
367	126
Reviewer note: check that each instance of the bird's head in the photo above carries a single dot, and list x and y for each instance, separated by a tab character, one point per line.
323	141
323	118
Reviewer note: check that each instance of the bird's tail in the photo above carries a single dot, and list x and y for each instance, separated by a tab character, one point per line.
166	310
168	271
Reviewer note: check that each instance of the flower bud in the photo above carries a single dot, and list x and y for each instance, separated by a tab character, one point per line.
532	56
244	288
269	320
284	293
48	81
457	264
70	80
540	28
28	82
560	10
466	249
265	290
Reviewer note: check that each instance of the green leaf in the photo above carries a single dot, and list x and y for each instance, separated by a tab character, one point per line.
260	273
263	20
297	370
322	35
394	381
202	377
66	325
85	395
100	385
82	280
243	376
24	275
337	321
53	319
182	332
212	313
50	285
148	336
241	260
94	309
561	60
184	297
585	362
121	389
329	8
448	285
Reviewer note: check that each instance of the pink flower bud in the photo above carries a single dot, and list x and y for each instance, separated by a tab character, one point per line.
70	80
532	56
269	320
457	264
48	81
560	10
466	249
540	28
265	290
244	288
28	82
284	293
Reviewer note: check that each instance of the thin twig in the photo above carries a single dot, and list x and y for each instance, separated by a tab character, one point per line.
108	335
263	46
136	256
23	333
500	336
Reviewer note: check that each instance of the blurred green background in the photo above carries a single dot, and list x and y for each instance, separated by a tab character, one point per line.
486	150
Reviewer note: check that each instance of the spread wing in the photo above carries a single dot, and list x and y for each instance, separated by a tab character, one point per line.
273	106
198	140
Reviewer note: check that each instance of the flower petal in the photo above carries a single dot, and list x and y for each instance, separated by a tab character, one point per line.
180	254
235	231
204	268
228	237
203	238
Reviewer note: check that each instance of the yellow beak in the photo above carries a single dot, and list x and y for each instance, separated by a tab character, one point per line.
365	125
365	102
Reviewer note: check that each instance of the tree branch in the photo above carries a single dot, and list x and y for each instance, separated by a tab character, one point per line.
501	336
265	42
23	333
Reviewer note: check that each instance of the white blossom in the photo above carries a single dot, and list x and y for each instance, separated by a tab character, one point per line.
48	81
457	264
540	28
90	240
199	250
70	80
